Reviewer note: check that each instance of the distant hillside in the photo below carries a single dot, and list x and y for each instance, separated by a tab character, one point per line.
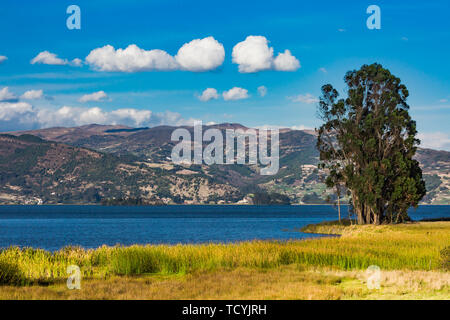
35	171
90	163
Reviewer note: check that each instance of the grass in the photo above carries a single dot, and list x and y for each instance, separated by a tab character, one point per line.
324	268
285	282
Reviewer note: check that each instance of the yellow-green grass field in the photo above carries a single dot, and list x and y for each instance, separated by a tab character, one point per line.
413	257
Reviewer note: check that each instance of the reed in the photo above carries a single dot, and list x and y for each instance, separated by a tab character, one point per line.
418	246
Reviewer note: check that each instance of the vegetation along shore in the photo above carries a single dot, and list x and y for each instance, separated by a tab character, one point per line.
413	258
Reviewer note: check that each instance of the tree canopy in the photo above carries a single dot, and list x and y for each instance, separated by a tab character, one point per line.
367	143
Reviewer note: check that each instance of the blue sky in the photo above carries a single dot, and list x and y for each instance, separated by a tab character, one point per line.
325	39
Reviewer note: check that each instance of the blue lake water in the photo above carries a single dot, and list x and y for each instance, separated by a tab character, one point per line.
54	227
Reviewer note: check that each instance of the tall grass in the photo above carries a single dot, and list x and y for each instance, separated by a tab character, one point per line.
401	247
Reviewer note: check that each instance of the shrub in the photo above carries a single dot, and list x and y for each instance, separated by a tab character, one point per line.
10	274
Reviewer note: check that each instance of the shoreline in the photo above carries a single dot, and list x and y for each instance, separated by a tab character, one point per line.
321	268
410	257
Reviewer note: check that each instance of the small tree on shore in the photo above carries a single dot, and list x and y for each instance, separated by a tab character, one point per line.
367	144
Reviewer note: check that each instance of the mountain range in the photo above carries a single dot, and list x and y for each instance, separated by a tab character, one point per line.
116	164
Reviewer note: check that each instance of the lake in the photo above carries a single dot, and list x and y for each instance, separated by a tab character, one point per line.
54	227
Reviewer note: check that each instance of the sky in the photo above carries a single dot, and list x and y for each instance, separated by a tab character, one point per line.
258	63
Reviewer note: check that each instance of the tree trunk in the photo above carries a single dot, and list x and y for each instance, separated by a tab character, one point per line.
358	209
368	213
339	208
376	219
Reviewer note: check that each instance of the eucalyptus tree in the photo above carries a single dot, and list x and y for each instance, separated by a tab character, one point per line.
367	143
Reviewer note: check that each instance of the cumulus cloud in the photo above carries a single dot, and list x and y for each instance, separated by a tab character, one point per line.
46	57
3	58
11	110
16	116
435	140
198	55
23	116
32	95
138	117
235	93
76	116
286	62
130	59
96	96
254	54
208	94
6	95
305	98
262	91
201	55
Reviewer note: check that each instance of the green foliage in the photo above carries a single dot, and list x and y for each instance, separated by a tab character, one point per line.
134	260
313	198
30	138
10	273
367	144
392	247
123	202
264	198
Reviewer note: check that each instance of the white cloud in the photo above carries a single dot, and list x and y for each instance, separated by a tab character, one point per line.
64	116
443	100
46	57
93	115
197	55
16	116
286	62
201	55
131	59
96	96
6	95
262	91
323	70
23	116
32	94
301	127
76	62
137	117
9	111
305	98
75	116
3	58
235	93
435	140
170	118
254	54
341	30
208	94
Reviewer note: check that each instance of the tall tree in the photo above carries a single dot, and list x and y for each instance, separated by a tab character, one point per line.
367	143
